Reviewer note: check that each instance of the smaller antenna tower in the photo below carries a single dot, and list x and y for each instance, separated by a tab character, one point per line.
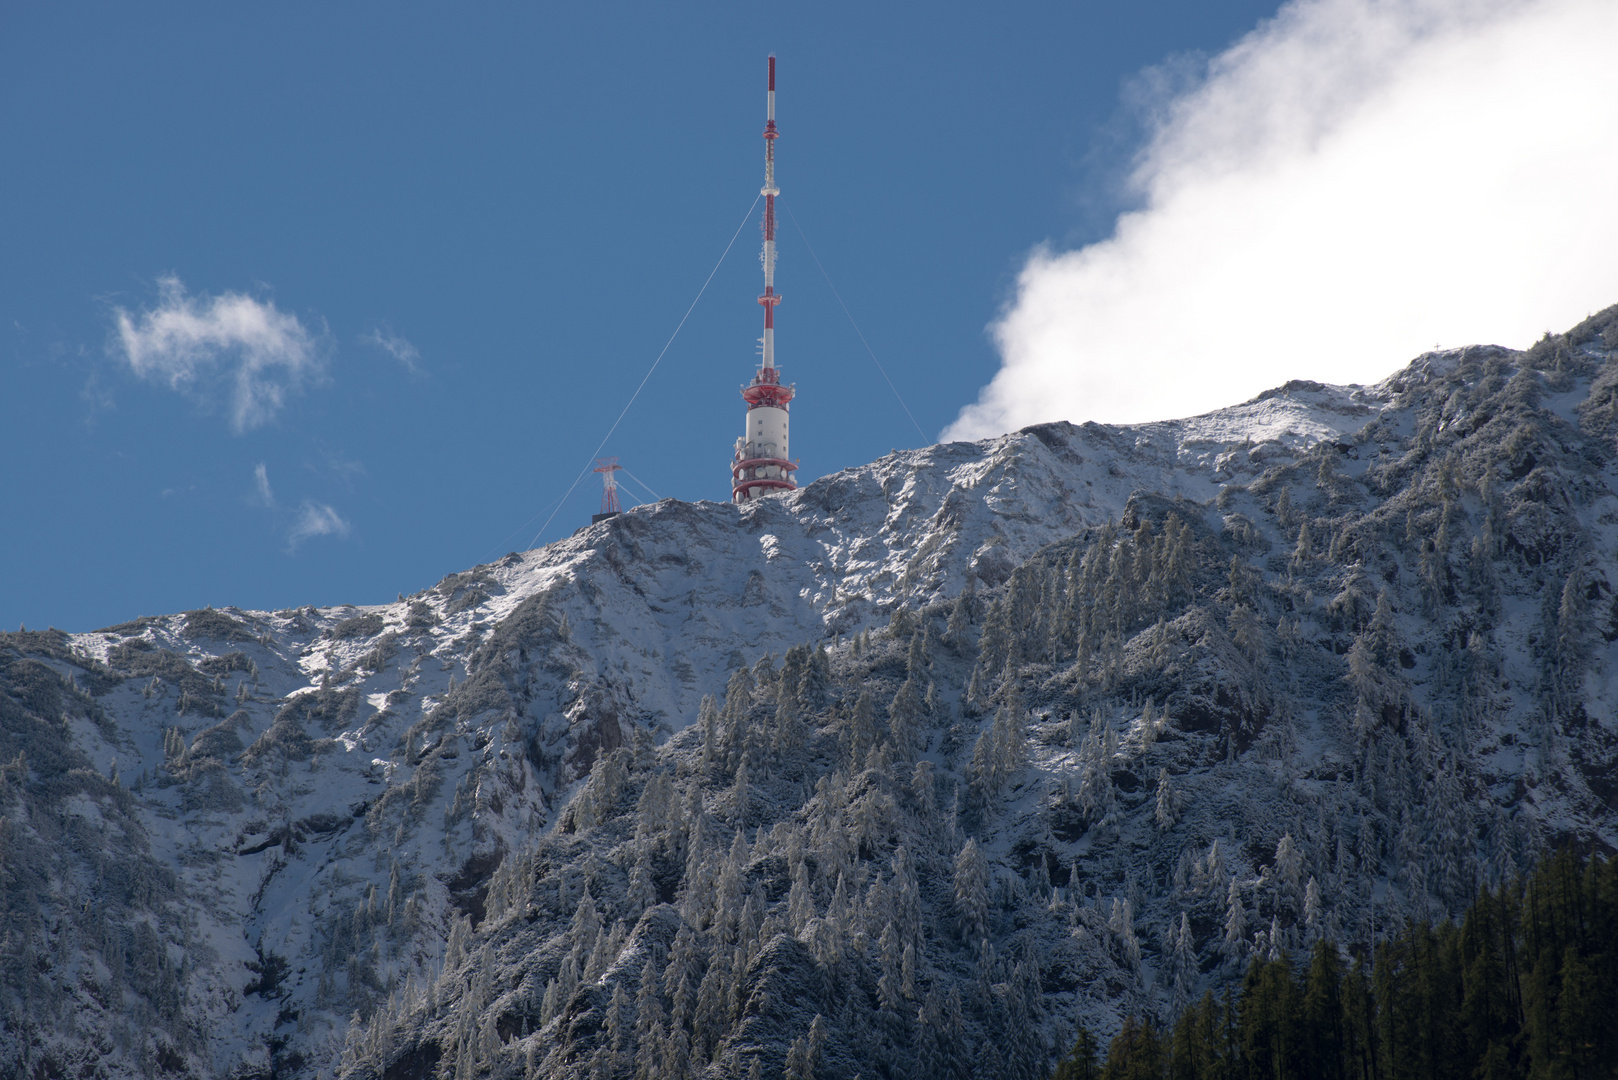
607	467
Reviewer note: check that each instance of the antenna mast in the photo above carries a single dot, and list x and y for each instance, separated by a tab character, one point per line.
760	464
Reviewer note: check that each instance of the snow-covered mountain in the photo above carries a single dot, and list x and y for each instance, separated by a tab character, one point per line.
1056	726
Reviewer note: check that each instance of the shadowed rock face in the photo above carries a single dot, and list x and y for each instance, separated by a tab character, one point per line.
1306	666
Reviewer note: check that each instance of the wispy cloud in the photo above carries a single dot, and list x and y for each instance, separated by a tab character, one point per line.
315	519
262	493
312	519
97	396
232	346
337	465
1352	183
398	348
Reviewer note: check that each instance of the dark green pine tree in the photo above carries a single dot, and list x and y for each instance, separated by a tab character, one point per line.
1323	1018
1268	1017
1359	1024
1081	1062
1196	1046
1136	1053
1491	1007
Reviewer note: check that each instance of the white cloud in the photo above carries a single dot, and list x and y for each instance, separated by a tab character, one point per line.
261	486
397	347
315	519
229	346
1354	182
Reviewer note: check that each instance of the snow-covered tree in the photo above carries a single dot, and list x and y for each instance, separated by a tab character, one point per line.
1288	866
961	614
905	718
1122	925
1183	961
1235	943
861	731
1313	914
971	889
1166	806
1247	632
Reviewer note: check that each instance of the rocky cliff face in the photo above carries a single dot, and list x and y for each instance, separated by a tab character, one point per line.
899	775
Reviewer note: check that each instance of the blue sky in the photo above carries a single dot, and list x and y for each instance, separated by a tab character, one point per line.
458	236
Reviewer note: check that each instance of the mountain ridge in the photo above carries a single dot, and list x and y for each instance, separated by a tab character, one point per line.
1107	647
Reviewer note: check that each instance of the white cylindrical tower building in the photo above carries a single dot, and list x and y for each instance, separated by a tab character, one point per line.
760	464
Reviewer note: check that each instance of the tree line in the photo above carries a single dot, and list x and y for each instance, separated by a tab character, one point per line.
1525	985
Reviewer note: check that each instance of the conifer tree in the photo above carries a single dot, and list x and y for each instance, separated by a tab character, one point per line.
586	927
1235	943
1569	654
1218	879
960	616
738	706
800	901
890	959
904	719
862	730
1323	1037
1247	632
816	678
740	792
789	734
976	699
1288	866
971	889
1184	961
1313	915
1166	810
1136	1053
642	893
1304	552
712	1003
1122	924
708	717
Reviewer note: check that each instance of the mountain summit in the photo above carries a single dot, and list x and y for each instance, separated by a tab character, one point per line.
897	775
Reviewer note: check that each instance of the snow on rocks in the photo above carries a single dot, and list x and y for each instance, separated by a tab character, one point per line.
1188	690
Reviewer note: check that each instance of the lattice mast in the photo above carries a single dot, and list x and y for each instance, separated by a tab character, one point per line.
608	467
760	464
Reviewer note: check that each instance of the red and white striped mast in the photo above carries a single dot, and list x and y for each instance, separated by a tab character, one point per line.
760	464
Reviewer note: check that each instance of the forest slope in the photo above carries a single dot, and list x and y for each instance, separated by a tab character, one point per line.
1068	723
